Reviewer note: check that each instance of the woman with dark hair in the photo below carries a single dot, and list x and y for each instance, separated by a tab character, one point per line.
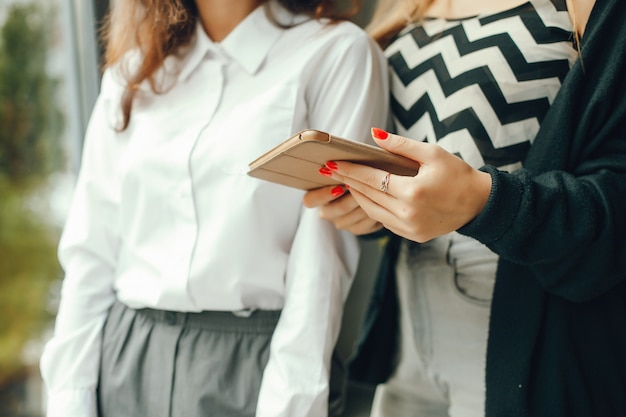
192	289
503	292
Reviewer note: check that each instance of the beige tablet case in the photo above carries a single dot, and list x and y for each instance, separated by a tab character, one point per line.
296	162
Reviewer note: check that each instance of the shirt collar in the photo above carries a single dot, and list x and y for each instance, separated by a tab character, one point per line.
248	44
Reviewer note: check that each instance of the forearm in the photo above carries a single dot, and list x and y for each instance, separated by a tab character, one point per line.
322	264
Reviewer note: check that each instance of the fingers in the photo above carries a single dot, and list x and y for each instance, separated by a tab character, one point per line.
322	196
340	208
377	179
372	209
345	214
416	150
389	219
365	227
357	222
377	184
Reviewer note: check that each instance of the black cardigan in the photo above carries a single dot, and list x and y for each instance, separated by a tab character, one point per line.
557	339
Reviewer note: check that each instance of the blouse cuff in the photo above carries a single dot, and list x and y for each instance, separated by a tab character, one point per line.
71	403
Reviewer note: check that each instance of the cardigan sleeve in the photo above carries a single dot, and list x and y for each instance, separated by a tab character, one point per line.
563	215
569	230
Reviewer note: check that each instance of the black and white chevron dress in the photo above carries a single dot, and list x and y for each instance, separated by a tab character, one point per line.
481	86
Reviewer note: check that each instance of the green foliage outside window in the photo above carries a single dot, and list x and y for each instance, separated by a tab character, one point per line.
30	150
28	267
31	123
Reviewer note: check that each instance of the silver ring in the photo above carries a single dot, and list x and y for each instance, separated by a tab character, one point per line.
384	185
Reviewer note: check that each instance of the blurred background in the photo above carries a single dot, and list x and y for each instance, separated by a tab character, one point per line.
49	78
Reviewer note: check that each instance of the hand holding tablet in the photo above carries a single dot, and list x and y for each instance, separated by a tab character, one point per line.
296	161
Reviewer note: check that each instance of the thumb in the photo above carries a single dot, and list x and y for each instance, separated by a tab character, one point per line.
409	148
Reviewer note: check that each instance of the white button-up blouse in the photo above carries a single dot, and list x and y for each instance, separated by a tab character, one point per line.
164	215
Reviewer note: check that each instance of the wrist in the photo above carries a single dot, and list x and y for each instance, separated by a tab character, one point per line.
481	191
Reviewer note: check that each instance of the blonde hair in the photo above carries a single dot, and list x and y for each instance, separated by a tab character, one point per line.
391	16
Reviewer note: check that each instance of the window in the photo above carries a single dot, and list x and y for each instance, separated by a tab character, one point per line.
49	78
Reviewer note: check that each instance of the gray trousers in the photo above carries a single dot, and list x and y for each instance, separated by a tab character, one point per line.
168	364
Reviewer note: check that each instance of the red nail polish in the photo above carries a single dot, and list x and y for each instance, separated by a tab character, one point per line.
337	191
347	187
379	133
332	165
325	172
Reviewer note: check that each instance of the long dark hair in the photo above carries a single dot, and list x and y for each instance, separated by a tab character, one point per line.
162	27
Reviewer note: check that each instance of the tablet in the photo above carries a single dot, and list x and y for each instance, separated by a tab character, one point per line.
296	161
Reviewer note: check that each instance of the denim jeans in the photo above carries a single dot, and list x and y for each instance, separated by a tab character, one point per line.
445	288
